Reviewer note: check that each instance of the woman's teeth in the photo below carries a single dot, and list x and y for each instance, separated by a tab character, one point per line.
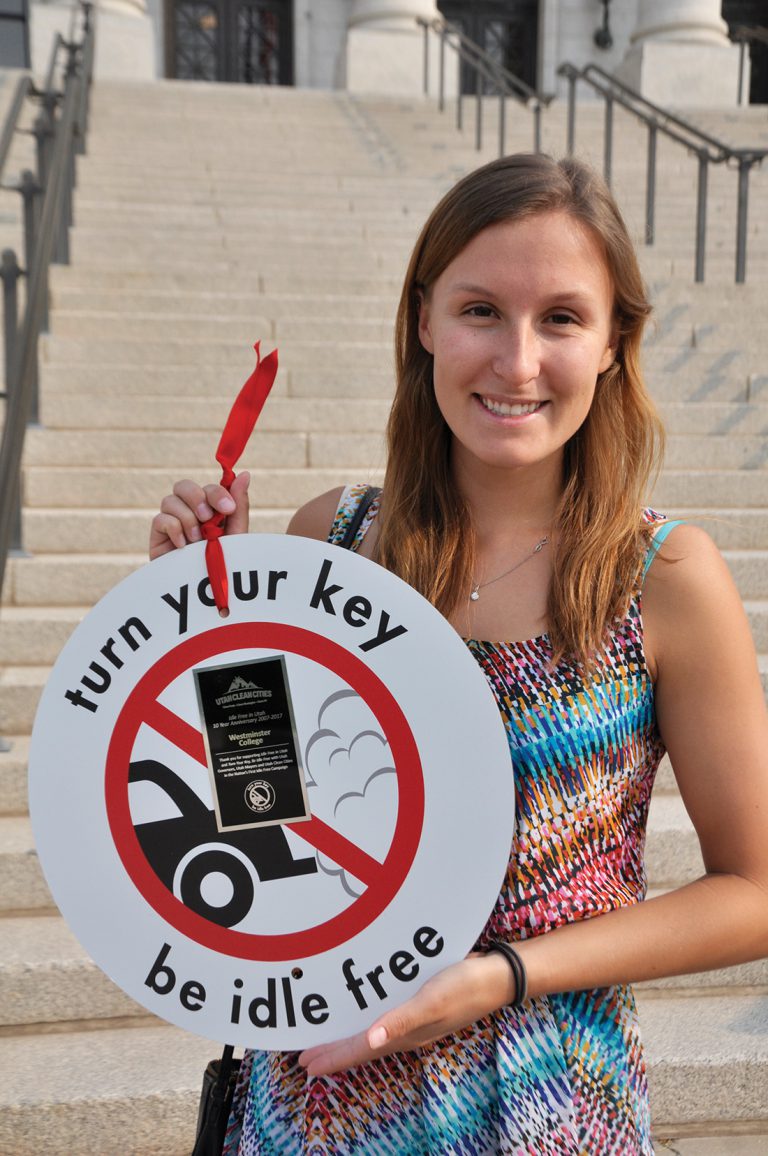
504	410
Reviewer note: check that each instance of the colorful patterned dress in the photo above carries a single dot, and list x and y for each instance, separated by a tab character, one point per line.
564	1074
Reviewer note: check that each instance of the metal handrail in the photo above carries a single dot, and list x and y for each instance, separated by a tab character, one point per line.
744	34
707	149
485	68
747	32
23	87
59	132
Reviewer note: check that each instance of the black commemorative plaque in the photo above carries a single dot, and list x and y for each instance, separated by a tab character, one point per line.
251	743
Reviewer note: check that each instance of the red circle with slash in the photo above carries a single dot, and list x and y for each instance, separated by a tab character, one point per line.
383	880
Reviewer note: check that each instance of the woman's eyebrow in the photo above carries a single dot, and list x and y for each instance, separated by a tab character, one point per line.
469	287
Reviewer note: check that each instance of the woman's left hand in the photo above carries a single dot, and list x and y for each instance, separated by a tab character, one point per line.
458	996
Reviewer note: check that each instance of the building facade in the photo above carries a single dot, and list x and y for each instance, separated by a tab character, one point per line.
677	51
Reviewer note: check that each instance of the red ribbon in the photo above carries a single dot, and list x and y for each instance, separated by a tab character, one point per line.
239	427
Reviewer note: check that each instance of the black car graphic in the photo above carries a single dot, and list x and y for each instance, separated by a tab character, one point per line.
165	842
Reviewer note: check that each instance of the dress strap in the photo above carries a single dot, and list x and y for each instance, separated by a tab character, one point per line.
356	511
659	535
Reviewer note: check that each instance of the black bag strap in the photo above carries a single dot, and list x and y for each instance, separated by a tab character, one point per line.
215	1103
364	505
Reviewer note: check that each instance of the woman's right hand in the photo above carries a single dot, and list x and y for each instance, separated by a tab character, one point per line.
183	511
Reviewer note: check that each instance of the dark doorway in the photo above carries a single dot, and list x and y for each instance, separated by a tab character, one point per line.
507	29
240	41
752	13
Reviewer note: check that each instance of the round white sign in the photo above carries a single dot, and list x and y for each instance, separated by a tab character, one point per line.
270	827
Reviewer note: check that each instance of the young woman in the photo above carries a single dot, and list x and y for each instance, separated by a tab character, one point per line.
521	442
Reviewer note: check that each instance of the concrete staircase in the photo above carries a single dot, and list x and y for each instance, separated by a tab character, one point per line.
209	217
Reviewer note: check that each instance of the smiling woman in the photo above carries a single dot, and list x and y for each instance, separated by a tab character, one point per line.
525	283
521	443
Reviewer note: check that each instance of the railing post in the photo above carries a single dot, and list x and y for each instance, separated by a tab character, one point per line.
502	120
459	95
740	85
31	194
441	72
701	214
571	113
42	131
537	127
9	274
745	165
86	64
479	111
425	26
650	186
608	141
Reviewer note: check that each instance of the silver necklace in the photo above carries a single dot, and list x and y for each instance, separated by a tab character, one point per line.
478	586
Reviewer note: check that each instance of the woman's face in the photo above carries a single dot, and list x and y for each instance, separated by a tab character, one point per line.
520	324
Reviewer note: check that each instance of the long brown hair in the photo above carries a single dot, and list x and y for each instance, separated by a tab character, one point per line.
426	533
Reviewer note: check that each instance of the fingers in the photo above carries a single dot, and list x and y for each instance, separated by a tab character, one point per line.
404	1028
237	522
461	994
190	505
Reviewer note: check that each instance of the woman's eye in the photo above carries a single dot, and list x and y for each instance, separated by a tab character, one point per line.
479	311
562	318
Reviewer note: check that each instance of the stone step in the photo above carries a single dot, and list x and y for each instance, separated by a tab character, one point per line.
22	885
91	488
133	488
281	414
244	282
70	303
71	580
681	489
129	1092
33	634
327	354
669	318
720	380
355	451
210	326
112	531
13	775
672	850
707	1061
705	375
46	977
78	412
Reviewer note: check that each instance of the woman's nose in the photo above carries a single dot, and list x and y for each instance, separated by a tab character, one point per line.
517	358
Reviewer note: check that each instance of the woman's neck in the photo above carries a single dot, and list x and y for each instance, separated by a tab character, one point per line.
509	503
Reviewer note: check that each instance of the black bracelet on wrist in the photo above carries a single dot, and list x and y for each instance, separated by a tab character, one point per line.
518	970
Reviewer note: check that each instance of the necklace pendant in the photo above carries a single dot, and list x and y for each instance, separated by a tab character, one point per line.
475	594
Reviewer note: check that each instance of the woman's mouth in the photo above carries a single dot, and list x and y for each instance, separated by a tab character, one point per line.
506	409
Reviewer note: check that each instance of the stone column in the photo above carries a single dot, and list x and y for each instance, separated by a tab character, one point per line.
125	37
385	46
680	55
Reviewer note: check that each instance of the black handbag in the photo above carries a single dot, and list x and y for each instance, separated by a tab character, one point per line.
220	1077
219	1081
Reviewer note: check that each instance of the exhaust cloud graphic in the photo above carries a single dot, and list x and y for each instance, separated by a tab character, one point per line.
351	780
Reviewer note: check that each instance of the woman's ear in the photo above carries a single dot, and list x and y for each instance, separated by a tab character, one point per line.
610	353
425	333
608	359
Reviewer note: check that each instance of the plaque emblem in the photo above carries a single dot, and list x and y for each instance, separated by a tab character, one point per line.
259	796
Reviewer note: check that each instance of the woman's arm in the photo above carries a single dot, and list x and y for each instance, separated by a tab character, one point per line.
712	717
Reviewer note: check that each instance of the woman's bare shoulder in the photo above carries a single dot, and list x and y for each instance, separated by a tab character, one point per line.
315	518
